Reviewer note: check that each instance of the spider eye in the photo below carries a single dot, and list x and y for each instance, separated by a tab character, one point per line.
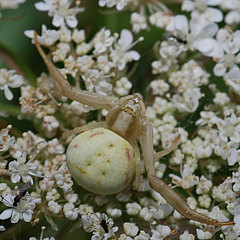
129	110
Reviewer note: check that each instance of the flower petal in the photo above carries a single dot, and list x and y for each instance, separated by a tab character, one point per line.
71	21
57	20
27	215
15	178
6	214
15	216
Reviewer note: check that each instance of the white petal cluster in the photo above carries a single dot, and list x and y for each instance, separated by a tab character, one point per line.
138	22
70	211
6	141
93	223
203	234
23	210
160	232
123	85
186	236
130	229
113	211
50	125
187	181
9	79
61	11
54	207
133	208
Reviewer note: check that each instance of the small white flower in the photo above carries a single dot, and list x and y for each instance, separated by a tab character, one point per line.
188	101
60	54
192	202
100	225
232	79
65	35
120	53
159	87
85	209
102	41
130	229
6	141
54	207
204	185
133	208
160	211
186	236
55	147
198	35
223	192
95	80
201	12
138	22
122	86
229	128
227	56
23	210
160	232
48	38
78	36
104	64
221	99
71	197
113	212
50	125
9	78
63	177
70	211
204	201
187	181
22	169
60	10
145	214
203	234
52	195
160	19
233	11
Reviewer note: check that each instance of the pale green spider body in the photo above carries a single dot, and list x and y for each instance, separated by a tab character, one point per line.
101	161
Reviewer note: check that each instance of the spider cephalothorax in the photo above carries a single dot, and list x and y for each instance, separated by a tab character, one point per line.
127	118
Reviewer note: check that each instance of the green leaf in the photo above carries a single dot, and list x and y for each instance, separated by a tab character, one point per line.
15	62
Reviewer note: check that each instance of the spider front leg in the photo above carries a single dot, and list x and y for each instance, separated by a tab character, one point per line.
85	97
166	192
137	181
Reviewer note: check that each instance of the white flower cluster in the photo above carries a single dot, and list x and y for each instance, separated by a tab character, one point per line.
101	63
61	11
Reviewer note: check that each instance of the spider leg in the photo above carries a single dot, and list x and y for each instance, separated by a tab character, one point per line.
84	128
85	97
167	193
137	165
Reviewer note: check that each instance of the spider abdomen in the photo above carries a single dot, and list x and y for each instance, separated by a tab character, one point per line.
101	161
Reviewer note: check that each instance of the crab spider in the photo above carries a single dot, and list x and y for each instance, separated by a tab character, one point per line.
126	117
